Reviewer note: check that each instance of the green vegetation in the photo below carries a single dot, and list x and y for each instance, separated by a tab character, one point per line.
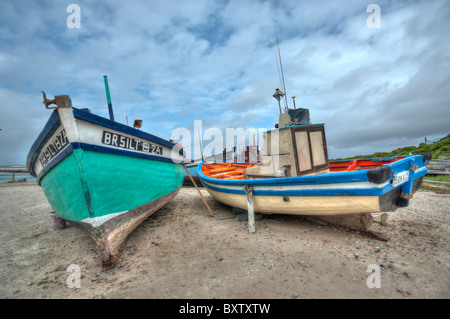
439	178
440	148
438	188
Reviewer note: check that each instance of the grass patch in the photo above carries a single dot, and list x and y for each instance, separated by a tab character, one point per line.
438	188
438	178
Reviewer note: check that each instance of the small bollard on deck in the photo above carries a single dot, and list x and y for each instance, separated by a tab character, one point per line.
57	222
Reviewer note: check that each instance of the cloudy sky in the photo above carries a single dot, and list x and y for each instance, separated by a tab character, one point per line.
172	62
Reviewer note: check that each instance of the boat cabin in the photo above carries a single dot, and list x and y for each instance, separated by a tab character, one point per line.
250	154
295	148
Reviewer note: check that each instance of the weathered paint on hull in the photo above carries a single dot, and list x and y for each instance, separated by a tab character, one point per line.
305	205
192	168
340	193
111	235
88	185
103	176
316	205
109	195
188	182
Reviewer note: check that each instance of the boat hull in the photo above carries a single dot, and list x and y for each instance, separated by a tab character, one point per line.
192	168
89	186
111	234
104	177
312	205
340	193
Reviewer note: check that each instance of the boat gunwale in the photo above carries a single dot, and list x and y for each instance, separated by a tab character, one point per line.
104	122
100	149
326	178
54	123
51	126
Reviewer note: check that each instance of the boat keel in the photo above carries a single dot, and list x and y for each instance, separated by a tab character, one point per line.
111	235
356	223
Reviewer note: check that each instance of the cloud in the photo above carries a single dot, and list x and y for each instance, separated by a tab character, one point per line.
170	62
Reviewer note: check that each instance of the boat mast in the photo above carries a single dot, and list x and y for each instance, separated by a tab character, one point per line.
282	76
200	142
108	99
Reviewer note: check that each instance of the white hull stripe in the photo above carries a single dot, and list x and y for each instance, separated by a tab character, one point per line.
98	221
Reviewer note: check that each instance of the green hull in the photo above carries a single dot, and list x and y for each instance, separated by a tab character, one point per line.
88	184
102	176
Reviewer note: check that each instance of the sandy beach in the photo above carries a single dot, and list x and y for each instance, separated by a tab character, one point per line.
183	252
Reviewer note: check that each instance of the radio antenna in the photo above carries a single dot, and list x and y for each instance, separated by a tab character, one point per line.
278	68
282	75
200	143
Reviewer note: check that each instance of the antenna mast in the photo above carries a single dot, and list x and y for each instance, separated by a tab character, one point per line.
282	76
200	142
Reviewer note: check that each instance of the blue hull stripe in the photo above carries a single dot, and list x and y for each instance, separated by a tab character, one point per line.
328	178
323	179
306	192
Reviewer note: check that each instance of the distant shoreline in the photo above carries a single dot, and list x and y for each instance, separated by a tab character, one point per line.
13	169
15	174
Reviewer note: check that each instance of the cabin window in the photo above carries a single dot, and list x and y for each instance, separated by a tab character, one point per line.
310	149
303	153
252	157
318	152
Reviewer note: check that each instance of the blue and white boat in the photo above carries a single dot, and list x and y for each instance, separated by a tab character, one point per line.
334	193
296	177
192	169
226	156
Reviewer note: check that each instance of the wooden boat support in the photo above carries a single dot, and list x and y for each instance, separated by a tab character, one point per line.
251	213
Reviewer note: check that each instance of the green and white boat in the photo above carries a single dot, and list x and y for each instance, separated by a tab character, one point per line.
103	176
